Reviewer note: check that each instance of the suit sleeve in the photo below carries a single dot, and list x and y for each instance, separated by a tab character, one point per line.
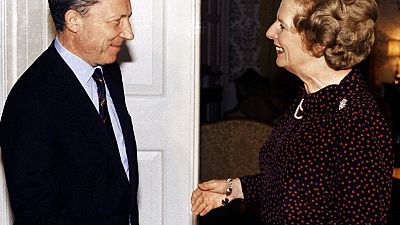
30	160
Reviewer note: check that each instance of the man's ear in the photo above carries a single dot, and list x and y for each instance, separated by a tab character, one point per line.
73	20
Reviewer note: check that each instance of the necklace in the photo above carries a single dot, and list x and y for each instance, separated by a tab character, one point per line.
299	108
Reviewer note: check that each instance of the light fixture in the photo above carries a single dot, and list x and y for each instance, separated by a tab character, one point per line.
394	51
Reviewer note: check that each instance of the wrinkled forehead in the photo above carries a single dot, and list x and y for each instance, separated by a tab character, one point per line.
306	5
300	5
288	9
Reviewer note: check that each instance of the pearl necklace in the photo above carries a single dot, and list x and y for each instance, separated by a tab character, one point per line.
299	108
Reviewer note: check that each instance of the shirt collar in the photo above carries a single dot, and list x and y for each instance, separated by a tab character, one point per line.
81	69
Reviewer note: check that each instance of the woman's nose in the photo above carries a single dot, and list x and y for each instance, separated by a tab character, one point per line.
271	32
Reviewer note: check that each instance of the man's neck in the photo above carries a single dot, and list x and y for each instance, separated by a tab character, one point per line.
68	40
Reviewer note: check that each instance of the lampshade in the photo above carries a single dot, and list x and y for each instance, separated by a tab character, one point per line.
394	48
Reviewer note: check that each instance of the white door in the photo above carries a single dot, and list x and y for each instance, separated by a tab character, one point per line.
160	69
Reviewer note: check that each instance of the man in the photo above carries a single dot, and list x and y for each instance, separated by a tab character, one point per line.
66	136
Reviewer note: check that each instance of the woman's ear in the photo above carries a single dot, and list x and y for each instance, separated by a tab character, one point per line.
318	50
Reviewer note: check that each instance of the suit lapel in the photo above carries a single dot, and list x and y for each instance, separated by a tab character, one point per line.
111	74
74	100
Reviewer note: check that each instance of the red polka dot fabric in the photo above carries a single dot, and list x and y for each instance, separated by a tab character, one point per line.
332	166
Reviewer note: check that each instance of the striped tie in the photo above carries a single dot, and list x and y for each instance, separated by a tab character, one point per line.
103	110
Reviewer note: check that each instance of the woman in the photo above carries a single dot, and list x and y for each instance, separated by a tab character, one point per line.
329	159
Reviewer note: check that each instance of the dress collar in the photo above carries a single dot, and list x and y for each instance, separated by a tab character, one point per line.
332	97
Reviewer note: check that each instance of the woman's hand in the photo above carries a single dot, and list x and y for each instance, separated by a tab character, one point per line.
209	195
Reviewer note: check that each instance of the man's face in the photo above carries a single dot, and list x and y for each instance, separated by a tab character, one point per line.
103	31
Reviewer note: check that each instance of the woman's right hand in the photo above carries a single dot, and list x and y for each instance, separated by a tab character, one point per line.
209	195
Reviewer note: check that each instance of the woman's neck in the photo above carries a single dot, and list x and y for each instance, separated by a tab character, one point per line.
320	75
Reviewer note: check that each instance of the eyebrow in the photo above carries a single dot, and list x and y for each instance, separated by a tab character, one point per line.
283	23
119	17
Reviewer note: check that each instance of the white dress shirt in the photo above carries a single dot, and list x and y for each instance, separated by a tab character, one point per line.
83	71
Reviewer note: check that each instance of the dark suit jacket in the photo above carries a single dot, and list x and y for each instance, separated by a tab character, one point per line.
61	166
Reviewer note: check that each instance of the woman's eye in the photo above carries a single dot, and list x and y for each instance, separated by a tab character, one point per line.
282	27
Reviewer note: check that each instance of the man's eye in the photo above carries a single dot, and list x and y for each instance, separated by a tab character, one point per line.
282	27
115	22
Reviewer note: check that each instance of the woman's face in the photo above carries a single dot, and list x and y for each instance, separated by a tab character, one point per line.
288	43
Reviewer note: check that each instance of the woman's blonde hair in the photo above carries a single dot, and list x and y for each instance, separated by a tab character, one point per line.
340	30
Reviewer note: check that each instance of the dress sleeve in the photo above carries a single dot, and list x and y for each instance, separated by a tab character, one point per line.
251	188
362	185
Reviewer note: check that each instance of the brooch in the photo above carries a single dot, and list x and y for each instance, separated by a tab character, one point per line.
342	104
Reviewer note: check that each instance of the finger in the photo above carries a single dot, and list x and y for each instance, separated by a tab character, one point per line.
200	208
213	185
207	209
195	195
206	186
197	202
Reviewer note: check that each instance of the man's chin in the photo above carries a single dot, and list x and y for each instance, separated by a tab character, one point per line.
109	60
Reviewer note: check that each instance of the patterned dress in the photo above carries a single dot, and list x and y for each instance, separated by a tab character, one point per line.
332	165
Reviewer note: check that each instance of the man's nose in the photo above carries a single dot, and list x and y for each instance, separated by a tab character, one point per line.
126	31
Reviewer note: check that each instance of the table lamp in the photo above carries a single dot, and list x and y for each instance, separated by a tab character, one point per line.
394	51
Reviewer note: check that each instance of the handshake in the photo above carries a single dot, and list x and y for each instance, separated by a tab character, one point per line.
215	193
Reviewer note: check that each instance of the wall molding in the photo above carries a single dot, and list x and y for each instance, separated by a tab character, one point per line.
6	215
2	55
150	195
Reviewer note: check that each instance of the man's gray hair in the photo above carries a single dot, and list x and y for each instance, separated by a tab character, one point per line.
58	8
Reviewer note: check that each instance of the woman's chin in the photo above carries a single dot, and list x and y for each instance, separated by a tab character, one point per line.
279	63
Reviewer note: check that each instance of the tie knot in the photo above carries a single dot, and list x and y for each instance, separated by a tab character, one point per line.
98	76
